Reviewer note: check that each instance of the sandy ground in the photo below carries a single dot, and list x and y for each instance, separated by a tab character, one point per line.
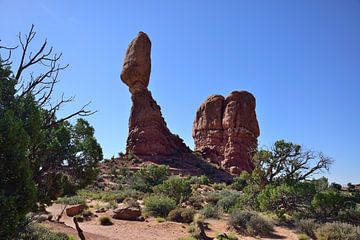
124	230
148	230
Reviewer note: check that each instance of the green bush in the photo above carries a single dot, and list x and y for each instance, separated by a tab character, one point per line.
182	215
229	236
307	226
105	220
239	183
150	176
196	200
36	231
107	196
176	188
337	230
285	197
227	200
250	223
218	186
258	225
210	211
329	203
71	200
203	180
188	238
131	202
213	197
158	205
303	236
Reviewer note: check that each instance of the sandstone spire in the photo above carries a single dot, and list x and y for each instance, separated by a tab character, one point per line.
148	136
225	130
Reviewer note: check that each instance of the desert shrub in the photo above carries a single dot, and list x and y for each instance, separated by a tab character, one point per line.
71	200
227	236
218	186
39	232
187	238
112	205
160	219
105	220
197	227
307	226
131	202
182	215
303	236
337	230
203	180
250	223
176	188
239	183
196	200
158	205
150	176
213	197
87	214
108	196
210	211
285	197
258	225
328	204
227	200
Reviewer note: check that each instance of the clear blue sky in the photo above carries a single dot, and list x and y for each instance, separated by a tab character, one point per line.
301	60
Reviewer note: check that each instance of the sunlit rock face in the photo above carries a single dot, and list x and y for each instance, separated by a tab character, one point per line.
225	130
148	133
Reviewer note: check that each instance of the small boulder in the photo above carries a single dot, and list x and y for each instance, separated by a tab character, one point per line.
127	213
74	210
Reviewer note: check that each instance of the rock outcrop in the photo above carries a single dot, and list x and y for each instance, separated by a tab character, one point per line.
225	130
148	136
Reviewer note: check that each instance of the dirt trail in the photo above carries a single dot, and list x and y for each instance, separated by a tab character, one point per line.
124	230
148	230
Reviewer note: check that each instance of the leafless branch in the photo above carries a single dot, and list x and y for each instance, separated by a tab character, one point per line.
41	85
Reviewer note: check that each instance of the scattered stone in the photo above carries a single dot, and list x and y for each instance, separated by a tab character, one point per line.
74	210
127	213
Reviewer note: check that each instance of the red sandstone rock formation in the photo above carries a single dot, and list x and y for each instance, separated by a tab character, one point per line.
148	133
226	129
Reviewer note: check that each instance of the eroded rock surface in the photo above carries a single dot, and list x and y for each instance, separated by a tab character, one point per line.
148	133
225	130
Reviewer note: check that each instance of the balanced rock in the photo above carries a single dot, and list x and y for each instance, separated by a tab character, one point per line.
225	130
148	133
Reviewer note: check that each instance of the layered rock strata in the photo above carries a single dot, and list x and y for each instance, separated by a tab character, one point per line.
225	130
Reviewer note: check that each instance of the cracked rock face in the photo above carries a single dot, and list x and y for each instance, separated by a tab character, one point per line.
148	133
225	130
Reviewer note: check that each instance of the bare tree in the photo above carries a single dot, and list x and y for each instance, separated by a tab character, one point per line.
40	85
288	161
